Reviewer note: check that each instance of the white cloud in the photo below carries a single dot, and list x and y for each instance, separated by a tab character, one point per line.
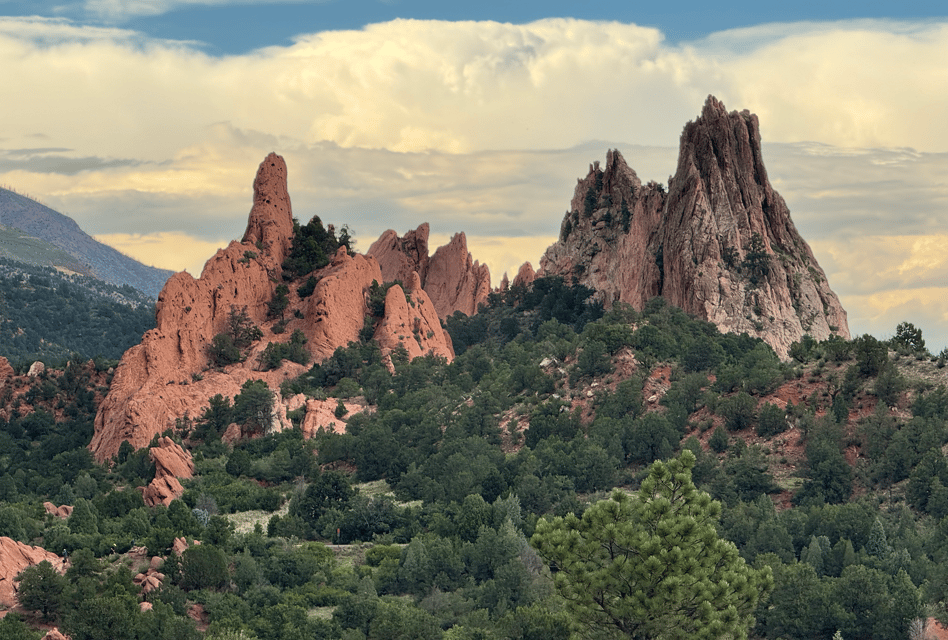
120	10
483	128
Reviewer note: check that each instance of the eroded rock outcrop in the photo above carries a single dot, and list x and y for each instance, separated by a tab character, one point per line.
63	512
453	280
719	244
168	376
6	370
14	558
171	463
525	275
411	322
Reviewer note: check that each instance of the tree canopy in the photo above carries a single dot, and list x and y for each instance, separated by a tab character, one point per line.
652	566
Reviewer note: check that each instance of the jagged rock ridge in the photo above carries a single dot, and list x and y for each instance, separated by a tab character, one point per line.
167	377
719	244
452	279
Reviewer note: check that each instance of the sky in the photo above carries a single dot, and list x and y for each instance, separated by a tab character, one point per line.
145	121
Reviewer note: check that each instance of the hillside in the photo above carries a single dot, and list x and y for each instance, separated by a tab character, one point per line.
89	257
416	521
49	315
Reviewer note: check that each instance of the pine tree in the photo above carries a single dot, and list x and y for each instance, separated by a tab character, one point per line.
652	565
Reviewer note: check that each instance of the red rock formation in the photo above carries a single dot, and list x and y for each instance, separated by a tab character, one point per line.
6	370
171	462
167	377
322	414
398	257
453	280
525	275
720	244
59	512
411	321
14	558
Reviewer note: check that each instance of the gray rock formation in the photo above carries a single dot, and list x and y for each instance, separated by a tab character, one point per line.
719	244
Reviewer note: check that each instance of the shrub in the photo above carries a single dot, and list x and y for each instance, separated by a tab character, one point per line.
203	566
771	421
739	411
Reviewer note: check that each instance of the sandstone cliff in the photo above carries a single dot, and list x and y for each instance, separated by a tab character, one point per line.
719	244
168	376
453	280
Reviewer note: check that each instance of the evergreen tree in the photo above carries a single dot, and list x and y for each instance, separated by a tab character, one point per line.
652	565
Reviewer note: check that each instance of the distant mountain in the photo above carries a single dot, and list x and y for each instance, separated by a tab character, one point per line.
49	315
80	252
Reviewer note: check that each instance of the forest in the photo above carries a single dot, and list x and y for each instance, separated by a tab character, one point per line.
815	489
52	316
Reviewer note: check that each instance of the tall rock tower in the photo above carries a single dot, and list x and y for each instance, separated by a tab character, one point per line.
719	244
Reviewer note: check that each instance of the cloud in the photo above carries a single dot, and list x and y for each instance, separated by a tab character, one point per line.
168	250
54	160
121	10
483	127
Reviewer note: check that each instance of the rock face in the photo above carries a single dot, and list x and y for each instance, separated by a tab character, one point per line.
171	463
14	558
6	370
525	275
412	322
168	376
63	512
720	244
453	280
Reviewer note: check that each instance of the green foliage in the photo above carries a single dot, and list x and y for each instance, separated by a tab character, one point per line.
908	338
253	407
771	421
719	442
652	565
203	566
293	350
41	589
226	348
756	264
313	247
739	411
50	316
279	302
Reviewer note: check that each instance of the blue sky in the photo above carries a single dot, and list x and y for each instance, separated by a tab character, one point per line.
145	120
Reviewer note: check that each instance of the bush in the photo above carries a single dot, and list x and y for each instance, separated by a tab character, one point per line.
771	421
203	566
739	411
718	442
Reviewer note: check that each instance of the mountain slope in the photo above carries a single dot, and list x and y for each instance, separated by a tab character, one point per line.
49	315
94	258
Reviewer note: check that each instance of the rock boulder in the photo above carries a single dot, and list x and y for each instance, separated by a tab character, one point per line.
14	558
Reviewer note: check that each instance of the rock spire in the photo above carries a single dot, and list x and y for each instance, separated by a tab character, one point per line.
719	244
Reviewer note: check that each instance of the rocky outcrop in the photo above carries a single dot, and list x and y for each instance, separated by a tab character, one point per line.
399	257
168	376
6	370
56	634
453	280
171	463
719	244
63	512
36	369
151	579
411	322
525	275
14	558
